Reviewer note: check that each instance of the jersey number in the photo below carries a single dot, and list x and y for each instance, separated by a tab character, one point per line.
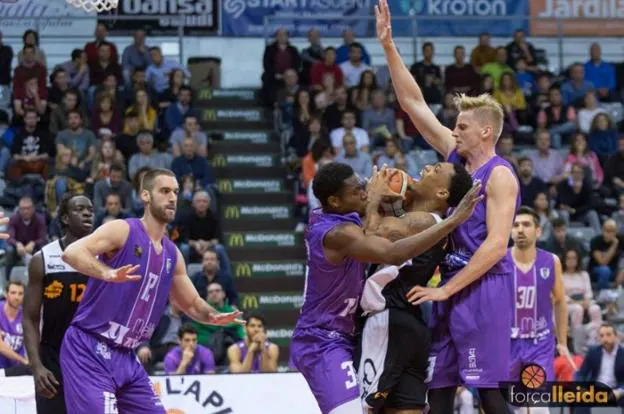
351	306
348	366
526	297
76	291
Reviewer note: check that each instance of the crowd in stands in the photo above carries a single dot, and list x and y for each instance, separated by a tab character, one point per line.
95	125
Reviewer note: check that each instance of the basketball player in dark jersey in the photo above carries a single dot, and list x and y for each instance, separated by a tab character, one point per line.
396	339
59	288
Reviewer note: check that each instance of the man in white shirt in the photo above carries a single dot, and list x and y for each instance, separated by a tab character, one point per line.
354	67
348	127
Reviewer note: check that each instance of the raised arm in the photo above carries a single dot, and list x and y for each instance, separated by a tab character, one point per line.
408	92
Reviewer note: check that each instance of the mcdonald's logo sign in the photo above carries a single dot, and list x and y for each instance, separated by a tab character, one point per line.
205	94
250	302
219	161
232	212
209	115
236	240
225	186
243	270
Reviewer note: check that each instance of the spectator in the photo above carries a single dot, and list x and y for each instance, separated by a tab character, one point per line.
59	84
147	156
110	85
303	110
189	358
255	353
31	38
66	175
618	216
360	161
176	113
148	117
407	132
505	150
334	113
559	119
540	96
33	100
574	199
578	291
311	54
104	66
92	48
348	126
588	112
519	48
326	67
80	140
113	184
135	55
603	136
77	70
379	120
278	57
105	158
449	113
483	53
29	68
31	149
27	234
561	241
428	75
212	273
606	249
353	68
524	78
59	119
361	95
164	338
170	95
126	142
460	76
530	185
106	113
11	325
392	155
497	68
614	169
286	93
111	210
581	154
137	82
541	205
157	73
320	153
574	90
189	128
547	164
302	141
600	73
6	59
343	52
190	162
512	99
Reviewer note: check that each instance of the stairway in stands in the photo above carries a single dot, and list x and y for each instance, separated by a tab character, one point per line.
256	205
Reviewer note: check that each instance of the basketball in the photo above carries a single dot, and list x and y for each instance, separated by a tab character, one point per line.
533	376
399	183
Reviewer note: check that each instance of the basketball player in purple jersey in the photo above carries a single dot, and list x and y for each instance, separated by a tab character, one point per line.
100	370
338	249
538	287
471	315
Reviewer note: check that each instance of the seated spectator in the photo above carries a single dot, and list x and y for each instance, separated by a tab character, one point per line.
212	273
483	53
392	155
547	164
111	210
302	141
28	69
80	140
104	66
332	116
448	115
496	69
578	291
428	75
189	128
574	90
60	116
379	120
505	149
326	67
618	215
353	68
6	59
113	184
164	338
27	234
512	99
360	161
157	74
77	70
106	114
614	169
606	250
278	57
575	201
110	85
176	113
135	55
189	358
525	79
126	141
519	48
218	338
303	109
600	73
361	94
342	53
148	117
91	48
31	39
487	84
147	155
541	205
460	77
562	241
31	149
137	82
407	132
530	185
65	175
12	349
34	99
285	95
59	82
603	136
190	162
255	353
311	54
320	153
581	154
170	95
348	126
539	98
558	119
588	112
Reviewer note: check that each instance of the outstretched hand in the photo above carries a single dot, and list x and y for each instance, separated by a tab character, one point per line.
383	22
467	205
123	274
222	319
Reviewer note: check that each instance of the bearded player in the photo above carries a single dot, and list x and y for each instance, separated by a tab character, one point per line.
101	372
338	250
538	286
471	315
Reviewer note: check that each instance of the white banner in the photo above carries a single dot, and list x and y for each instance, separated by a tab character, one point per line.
206	394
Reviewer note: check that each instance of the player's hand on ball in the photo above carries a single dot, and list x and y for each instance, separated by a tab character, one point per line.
383	22
222	319
420	294
45	382
379	185
123	274
468	203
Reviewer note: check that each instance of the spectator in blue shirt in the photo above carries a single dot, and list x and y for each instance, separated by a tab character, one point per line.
177	111
573	91
135	56
600	73
190	163
158	72
342	53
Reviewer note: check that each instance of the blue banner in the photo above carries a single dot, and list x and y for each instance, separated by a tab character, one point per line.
246	17
458	17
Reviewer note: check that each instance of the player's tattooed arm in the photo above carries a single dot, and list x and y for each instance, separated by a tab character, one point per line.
397	228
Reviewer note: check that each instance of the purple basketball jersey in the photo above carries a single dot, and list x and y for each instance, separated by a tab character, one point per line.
533	311
467	238
126	314
13	335
332	291
256	364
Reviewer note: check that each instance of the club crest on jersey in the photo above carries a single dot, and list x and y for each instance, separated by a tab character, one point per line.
545	273
138	251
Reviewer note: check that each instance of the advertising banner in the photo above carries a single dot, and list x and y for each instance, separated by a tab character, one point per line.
250	186
263	239
269	269
578	17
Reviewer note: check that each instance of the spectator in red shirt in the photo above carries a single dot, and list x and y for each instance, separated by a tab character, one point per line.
92	48
34	99
326	67
104	66
29	68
